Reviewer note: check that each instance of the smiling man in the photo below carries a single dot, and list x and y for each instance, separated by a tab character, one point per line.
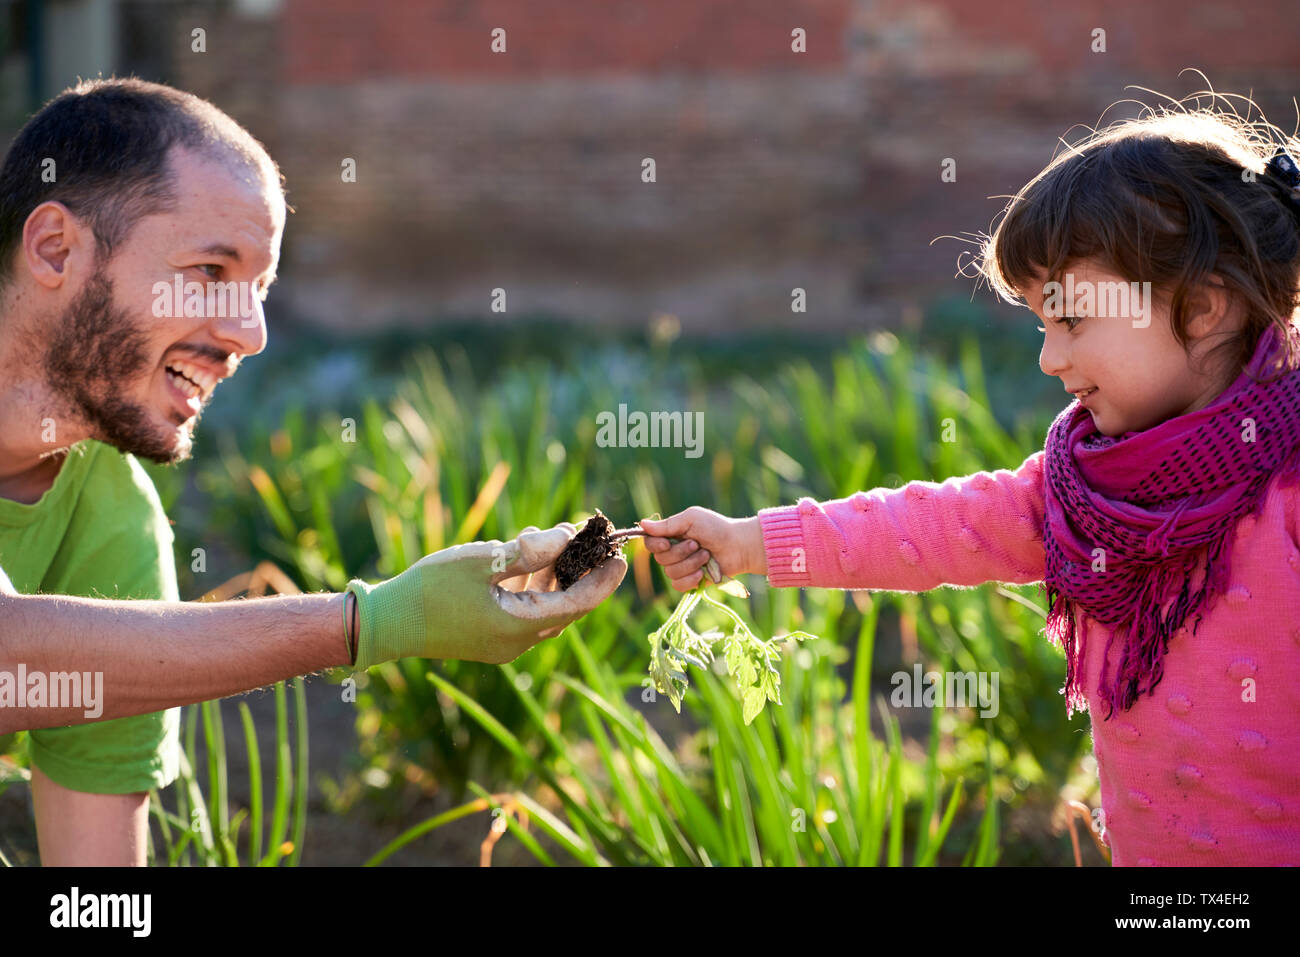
111	194
113	187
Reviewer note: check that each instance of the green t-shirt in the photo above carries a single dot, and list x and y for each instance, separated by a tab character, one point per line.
98	532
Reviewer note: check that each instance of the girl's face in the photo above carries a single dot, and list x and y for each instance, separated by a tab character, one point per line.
1128	355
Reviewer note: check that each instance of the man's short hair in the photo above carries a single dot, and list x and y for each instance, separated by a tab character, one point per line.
109	140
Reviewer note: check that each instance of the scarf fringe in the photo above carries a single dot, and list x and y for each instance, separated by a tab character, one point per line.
1140	667
1060	631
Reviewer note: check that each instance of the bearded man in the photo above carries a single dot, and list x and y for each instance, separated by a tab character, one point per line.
113	188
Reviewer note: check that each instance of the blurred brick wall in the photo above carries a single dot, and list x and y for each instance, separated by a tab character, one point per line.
522	170
775	169
341	40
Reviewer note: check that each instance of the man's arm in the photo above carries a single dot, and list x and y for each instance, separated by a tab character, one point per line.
155	655
464	602
88	829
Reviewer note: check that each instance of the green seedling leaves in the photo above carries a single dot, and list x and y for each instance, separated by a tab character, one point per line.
751	661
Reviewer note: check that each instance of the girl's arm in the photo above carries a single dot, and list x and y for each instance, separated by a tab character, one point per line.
966	531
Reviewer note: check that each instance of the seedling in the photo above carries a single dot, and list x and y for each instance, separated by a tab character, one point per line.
751	661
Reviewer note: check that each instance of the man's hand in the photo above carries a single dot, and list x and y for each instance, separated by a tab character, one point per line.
736	543
483	601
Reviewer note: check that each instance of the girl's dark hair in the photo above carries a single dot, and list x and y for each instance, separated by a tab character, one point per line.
1169	197
109	142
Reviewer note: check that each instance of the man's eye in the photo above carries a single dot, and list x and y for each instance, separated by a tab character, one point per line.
216	269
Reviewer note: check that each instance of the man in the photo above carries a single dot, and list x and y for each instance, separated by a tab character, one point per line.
116	187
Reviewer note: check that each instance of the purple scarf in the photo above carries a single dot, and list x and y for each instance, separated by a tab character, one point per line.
1157	502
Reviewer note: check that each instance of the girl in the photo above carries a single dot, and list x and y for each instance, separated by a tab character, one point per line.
1161	514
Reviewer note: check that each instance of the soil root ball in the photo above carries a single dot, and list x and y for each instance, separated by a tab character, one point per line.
592	546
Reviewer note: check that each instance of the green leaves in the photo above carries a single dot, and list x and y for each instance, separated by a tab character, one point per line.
751	661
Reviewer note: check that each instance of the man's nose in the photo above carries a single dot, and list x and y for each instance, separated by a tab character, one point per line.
245	330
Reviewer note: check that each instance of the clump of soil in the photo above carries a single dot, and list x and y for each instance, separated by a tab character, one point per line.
592	546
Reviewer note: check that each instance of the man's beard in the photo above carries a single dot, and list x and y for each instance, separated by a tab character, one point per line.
95	354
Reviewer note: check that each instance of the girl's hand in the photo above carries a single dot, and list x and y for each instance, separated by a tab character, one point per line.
736	543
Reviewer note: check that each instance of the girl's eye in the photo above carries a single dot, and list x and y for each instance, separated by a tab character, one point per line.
1070	322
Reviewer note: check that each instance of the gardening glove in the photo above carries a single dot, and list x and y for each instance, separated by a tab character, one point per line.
468	601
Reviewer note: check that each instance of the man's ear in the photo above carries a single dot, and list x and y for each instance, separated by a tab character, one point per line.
54	243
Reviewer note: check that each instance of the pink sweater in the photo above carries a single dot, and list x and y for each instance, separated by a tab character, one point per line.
1191	775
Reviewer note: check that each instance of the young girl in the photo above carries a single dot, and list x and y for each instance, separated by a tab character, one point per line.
1161	515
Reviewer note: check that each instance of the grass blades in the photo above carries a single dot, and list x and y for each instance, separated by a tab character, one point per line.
254	782
201	829
750	811
425	827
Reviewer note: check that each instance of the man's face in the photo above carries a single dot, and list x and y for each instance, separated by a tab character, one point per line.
118	366
1141	374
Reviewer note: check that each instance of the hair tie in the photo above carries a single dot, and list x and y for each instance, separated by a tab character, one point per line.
1284	168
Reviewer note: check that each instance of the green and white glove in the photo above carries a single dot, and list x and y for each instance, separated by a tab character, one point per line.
482	601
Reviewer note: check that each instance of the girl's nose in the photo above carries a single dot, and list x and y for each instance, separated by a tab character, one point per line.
1052	359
